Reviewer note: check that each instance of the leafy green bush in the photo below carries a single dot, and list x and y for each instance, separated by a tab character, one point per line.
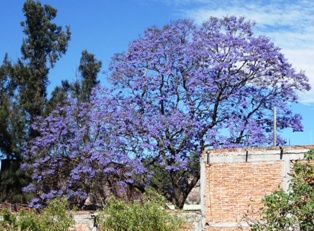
146	214
295	208
53	218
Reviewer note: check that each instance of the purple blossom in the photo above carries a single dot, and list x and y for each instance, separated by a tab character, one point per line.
189	87
76	149
177	91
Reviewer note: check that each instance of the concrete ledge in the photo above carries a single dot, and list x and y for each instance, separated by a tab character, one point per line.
227	224
255	154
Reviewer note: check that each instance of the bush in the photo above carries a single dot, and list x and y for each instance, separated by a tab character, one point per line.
146	214
53	218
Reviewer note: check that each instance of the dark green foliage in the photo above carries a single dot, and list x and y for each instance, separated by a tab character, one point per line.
58	96
7	88
12	178
89	69
294	208
81	89
44	44
23	87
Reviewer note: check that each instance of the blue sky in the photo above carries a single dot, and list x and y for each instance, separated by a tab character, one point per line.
104	27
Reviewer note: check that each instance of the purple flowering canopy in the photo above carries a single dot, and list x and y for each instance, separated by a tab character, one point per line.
194	87
79	153
177	91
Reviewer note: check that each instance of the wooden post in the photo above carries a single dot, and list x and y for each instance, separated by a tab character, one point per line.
274	129
246	155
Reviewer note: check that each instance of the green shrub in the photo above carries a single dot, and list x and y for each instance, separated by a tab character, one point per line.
53	218
294	208
146	214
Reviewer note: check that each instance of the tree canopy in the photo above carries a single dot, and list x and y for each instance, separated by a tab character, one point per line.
195	87
25	81
80	151
82	88
177	91
44	44
23	86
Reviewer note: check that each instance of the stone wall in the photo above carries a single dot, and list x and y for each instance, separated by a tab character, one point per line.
233	182
84	221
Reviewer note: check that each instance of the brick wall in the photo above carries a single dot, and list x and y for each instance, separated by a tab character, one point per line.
233	182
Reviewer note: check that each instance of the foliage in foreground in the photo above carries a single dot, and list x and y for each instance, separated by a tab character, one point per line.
294	208
53	218
147	214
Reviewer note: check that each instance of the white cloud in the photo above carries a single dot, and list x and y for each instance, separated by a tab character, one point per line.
289	23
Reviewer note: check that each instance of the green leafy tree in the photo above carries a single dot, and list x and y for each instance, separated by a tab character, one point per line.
12	179
24	83
44	44
12	126
7	87
294	208
88	70
58	96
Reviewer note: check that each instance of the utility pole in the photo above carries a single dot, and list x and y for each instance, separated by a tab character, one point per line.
274	129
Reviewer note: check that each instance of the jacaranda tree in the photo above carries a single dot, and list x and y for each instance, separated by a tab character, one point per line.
176	91
192	87
79	152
